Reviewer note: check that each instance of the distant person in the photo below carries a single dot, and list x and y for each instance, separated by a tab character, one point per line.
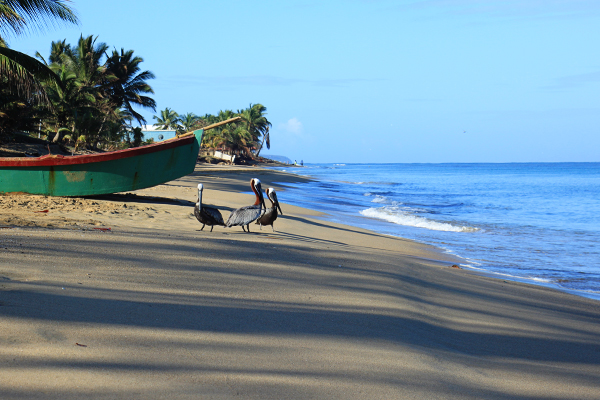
295	163
302	163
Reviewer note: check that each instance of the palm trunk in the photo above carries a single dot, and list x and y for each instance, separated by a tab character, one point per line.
260	147
97	140
56	135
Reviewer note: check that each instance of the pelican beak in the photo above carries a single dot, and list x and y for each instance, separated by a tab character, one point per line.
276	202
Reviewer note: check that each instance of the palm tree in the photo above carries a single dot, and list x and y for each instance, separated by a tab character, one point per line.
188	121
22	73
16	14
16	114
168	119
67	98
79	88
256	124
128	84
237	138
58	52
87	63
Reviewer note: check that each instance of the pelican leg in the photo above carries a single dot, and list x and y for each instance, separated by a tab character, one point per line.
272	227
248	226
211	227
244	229
202	227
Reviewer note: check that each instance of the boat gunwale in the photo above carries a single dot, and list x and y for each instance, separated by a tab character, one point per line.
58	160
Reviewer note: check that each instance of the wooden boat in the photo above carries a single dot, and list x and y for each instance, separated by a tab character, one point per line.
102	173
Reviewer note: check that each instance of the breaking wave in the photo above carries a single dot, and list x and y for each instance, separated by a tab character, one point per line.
395	216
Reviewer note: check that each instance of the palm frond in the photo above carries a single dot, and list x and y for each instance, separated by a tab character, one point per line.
43	13
24	74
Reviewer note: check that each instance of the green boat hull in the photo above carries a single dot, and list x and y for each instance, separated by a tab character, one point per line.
122	171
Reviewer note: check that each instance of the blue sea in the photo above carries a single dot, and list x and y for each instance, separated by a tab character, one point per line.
531	222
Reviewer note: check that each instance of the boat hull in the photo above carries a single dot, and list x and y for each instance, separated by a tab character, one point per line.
103	173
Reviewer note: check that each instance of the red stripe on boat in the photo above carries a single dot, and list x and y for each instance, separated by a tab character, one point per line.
52	160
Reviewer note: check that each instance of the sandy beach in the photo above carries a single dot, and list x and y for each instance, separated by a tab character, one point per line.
123	297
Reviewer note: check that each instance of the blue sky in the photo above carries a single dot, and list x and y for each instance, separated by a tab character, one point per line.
373	80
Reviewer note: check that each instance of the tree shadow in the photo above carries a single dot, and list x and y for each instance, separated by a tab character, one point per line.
251	263
140	198
218	315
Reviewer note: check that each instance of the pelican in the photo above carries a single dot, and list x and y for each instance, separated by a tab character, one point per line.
207	215
270	214
245	215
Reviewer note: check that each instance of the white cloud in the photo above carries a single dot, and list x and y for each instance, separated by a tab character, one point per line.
293	125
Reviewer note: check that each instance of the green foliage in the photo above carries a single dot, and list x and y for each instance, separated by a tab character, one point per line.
243	136
85	96
21	73
17	15
93	93
138	137
81	92
16	113
188	121
168	119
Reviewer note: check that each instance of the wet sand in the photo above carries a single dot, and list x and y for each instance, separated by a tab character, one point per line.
123	297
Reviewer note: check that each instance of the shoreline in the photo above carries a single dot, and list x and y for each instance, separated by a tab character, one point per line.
156	308
381	226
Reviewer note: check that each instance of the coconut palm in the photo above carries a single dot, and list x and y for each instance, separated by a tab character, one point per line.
256	124
68	100
80	88
189	121
58	52
16	113
22	73
128	84
15	15
168	119
87	63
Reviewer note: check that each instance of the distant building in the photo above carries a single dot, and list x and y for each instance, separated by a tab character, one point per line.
151	131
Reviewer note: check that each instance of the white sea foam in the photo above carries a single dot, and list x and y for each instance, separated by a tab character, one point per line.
380	199
406	219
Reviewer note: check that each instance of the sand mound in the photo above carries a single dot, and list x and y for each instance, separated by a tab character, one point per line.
60	212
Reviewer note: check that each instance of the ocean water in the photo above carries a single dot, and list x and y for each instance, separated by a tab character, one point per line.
532	222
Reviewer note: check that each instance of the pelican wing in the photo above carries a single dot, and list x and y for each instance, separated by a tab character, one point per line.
213	215
208	216
267	217
243	216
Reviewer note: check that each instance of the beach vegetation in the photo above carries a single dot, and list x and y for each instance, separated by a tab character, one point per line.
187	122
95	92
21	74
244	137
168	119
90	97
83	95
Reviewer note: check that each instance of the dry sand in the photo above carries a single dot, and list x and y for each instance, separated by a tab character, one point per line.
122	297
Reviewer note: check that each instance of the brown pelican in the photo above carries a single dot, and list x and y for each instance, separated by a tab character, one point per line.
270	214
207	215
245	215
